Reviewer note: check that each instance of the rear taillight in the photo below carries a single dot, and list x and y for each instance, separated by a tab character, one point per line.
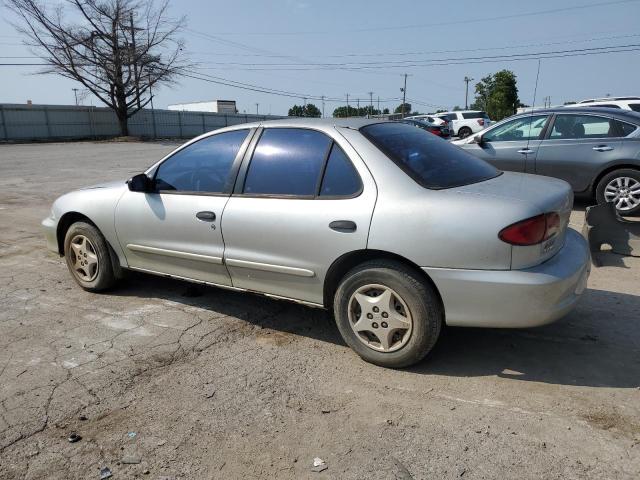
532	230
481	122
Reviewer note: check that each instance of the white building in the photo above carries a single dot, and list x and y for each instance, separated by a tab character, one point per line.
214	106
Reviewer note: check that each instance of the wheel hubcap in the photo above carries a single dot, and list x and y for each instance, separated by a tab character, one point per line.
83	258
380	318
624	192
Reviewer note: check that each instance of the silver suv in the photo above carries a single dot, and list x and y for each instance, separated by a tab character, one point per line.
391	227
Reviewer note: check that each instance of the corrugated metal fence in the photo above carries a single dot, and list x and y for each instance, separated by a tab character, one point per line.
62	122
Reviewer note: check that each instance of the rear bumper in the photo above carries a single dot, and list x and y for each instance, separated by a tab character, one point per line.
49	227
516	298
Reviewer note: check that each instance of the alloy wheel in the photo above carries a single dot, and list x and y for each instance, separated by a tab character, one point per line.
624	192
83	258
380	318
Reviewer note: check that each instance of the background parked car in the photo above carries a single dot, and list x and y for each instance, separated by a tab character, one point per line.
624	103
465	122
595	149
432	119
441	130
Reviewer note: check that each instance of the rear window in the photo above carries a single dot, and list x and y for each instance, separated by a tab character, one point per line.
467	115
429	160
607	105
626	128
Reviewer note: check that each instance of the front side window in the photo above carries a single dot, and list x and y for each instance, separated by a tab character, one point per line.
522	128
203	166
582	126
287	161
429	160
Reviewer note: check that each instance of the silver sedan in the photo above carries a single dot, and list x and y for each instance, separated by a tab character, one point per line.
392	228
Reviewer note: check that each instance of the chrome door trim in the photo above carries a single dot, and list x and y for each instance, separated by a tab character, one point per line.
175	253
267	267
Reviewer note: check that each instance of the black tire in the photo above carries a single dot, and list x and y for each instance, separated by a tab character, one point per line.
420	297
96	279
464	132
604	181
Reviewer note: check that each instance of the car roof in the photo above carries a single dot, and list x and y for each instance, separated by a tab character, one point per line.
614	112
304	122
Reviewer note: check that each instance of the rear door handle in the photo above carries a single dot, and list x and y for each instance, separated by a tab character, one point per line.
524	151
343	226
206	216
603	148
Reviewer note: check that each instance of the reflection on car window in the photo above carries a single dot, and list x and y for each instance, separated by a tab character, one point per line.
429	160
287	161
340	176
203	166
626	128
582	126
523	128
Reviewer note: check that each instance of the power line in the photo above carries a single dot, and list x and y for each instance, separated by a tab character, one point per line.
572	8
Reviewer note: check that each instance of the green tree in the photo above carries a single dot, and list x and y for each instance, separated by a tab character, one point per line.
406	107
308	110
342	112
457	108
497	95
385	111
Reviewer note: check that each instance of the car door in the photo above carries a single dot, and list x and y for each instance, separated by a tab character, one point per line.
175	229
511	145
577	147
303	198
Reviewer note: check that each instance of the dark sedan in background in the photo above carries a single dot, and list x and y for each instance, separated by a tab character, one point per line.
596	150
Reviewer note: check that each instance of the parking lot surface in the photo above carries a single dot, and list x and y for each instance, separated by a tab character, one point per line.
164	379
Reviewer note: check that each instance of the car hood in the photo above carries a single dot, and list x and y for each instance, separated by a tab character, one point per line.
111	184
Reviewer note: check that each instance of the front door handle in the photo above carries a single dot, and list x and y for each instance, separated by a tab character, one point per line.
343	226
524	151
603	148
206	216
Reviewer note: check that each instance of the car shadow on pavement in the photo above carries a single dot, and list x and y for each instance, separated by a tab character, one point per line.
596	345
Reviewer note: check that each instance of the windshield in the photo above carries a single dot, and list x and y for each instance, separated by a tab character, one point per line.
431	161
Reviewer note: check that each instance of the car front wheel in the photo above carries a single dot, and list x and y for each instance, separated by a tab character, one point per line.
622	187
464	132
387	313
87	256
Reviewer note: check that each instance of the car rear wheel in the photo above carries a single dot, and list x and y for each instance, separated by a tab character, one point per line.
622	187
87	256
387	313
464	132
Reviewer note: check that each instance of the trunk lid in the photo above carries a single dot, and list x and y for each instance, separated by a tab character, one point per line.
542	195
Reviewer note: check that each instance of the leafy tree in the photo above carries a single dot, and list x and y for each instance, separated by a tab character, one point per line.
308	110
457	108
385	111
342	112
117	49
440	110
403	107
497	95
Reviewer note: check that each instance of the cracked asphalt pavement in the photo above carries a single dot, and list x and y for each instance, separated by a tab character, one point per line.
163	379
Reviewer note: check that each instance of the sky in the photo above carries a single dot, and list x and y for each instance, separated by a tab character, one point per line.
333	48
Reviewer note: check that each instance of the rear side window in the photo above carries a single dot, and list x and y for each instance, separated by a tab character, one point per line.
635	107
582	126
626	128
340	176
429	160
203	166
467	115
287	161
608	105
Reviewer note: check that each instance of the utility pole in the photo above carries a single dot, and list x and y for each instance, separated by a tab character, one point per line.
305	101
370	104
75	92
322	106
379	104
257	105
358	103
348	112
466	93
404	95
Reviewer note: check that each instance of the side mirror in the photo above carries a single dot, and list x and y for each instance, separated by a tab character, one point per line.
477	139
139	183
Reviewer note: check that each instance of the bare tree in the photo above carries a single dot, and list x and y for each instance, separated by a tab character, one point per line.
117	49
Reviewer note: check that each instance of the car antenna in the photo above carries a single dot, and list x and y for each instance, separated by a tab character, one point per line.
533	105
